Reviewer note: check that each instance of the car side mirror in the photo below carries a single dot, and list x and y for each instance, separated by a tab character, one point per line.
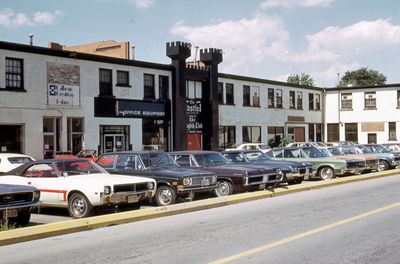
139	167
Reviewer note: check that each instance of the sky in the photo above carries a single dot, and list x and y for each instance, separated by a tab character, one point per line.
268	39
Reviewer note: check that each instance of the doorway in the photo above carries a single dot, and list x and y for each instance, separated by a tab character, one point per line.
372	138
114	142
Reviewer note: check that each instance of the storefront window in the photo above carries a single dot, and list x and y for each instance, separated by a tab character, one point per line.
227	137
11	138
251	134
275	135
75	134
351	132
155	135
51	136
114	138
333	132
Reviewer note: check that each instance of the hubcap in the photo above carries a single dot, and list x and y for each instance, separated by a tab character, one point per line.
223	189
326	174
79	207
166	196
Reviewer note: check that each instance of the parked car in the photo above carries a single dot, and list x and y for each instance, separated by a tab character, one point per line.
388	159
327	167
9	161
231	178
340	143
172	180
80	185
89	154
306	144
392	147
371	162
294	172
17	203
253	146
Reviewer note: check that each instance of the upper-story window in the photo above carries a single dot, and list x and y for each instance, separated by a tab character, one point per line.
398	98
255	90
229	94
105	82
292	99
300	100
246	95
279	98
14	73
148	89
271	98
370	101
221	93
310	101
317	102
347	101
123	78
163	87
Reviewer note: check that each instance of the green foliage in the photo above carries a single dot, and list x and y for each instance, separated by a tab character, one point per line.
302	79
285	141
362	77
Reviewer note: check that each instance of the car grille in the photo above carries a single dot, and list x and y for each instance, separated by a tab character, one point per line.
371	162
138	187
357	164
397	157
202	181
264	178
7	199
303	170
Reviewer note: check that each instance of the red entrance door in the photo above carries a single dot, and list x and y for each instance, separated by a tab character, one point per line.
193	142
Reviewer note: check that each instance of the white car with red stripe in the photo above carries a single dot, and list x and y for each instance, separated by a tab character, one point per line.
10	161
80	185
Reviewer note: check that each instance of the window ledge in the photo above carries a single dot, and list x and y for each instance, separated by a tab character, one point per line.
18	90
346	109
230	104
123	85
370	109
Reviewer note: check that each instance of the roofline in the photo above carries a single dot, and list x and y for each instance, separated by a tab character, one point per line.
379	86
81	56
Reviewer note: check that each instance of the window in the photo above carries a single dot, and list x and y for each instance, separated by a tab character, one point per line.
255	91
123	78
229	94
392	131
292	99
155	134
310	101
251	134
398	98
275	135
246	95
333	132
351	132
311	133
317	102
319	132
370	101
149	90
105	84
51	136
74	134
220	93
347	101
227	137
300	100
271	98
14	73
279	98
163	87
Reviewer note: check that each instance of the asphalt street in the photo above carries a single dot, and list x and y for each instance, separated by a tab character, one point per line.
350	223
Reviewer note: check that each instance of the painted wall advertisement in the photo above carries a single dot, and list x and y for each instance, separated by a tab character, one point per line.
60	94
193	110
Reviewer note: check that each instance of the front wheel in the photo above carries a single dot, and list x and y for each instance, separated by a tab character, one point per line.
326	173
382	165
224	188
79	206
165	195
23	218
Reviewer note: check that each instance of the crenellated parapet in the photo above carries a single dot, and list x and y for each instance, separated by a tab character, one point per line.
178	50
211	56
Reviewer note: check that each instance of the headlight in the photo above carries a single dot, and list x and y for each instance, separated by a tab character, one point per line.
279	171
294	169
36	195
150	185
214	179
107	190
187	181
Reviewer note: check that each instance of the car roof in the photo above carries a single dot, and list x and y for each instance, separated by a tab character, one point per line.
194	152
8	155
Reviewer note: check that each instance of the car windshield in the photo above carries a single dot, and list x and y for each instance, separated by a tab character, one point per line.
19	160
393	148
314	153
264	146
157	159
381	149
336	151
78	167
207	159
256	156
364	149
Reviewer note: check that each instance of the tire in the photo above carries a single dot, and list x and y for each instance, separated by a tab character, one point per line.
382	165
299	180
224	188
79	206
291	182
326	173
23	218
165	195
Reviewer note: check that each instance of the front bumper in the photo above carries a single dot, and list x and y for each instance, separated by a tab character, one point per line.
126	197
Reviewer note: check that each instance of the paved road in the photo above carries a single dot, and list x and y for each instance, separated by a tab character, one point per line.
352	223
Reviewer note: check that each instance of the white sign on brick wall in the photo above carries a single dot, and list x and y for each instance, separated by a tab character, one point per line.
61	94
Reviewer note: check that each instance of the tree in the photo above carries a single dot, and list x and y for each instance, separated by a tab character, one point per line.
362	77
302	79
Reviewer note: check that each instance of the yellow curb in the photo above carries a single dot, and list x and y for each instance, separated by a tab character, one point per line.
76	225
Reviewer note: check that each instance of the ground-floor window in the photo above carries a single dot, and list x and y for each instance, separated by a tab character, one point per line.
51	136
75	130
372	138
311	132
155	135
392	131
275	135
11	138
251	134
333	132
351	132
227	137
114	138
318	132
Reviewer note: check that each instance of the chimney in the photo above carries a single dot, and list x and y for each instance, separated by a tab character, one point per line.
31	39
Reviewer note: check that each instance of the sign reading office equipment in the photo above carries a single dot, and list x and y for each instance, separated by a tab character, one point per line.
62	94
140	109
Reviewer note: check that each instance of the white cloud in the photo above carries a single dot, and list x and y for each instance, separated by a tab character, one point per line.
46	18
292	3
143	3
10	19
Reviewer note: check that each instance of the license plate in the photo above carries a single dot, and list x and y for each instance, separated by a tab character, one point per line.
262	186
205	182
10	213
133	198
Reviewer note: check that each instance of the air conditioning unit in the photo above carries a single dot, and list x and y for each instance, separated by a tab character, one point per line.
370	96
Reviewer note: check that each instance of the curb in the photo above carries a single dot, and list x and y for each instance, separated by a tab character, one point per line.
70	226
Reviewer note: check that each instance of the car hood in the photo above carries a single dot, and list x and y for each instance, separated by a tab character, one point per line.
109	179
12	188
179	172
